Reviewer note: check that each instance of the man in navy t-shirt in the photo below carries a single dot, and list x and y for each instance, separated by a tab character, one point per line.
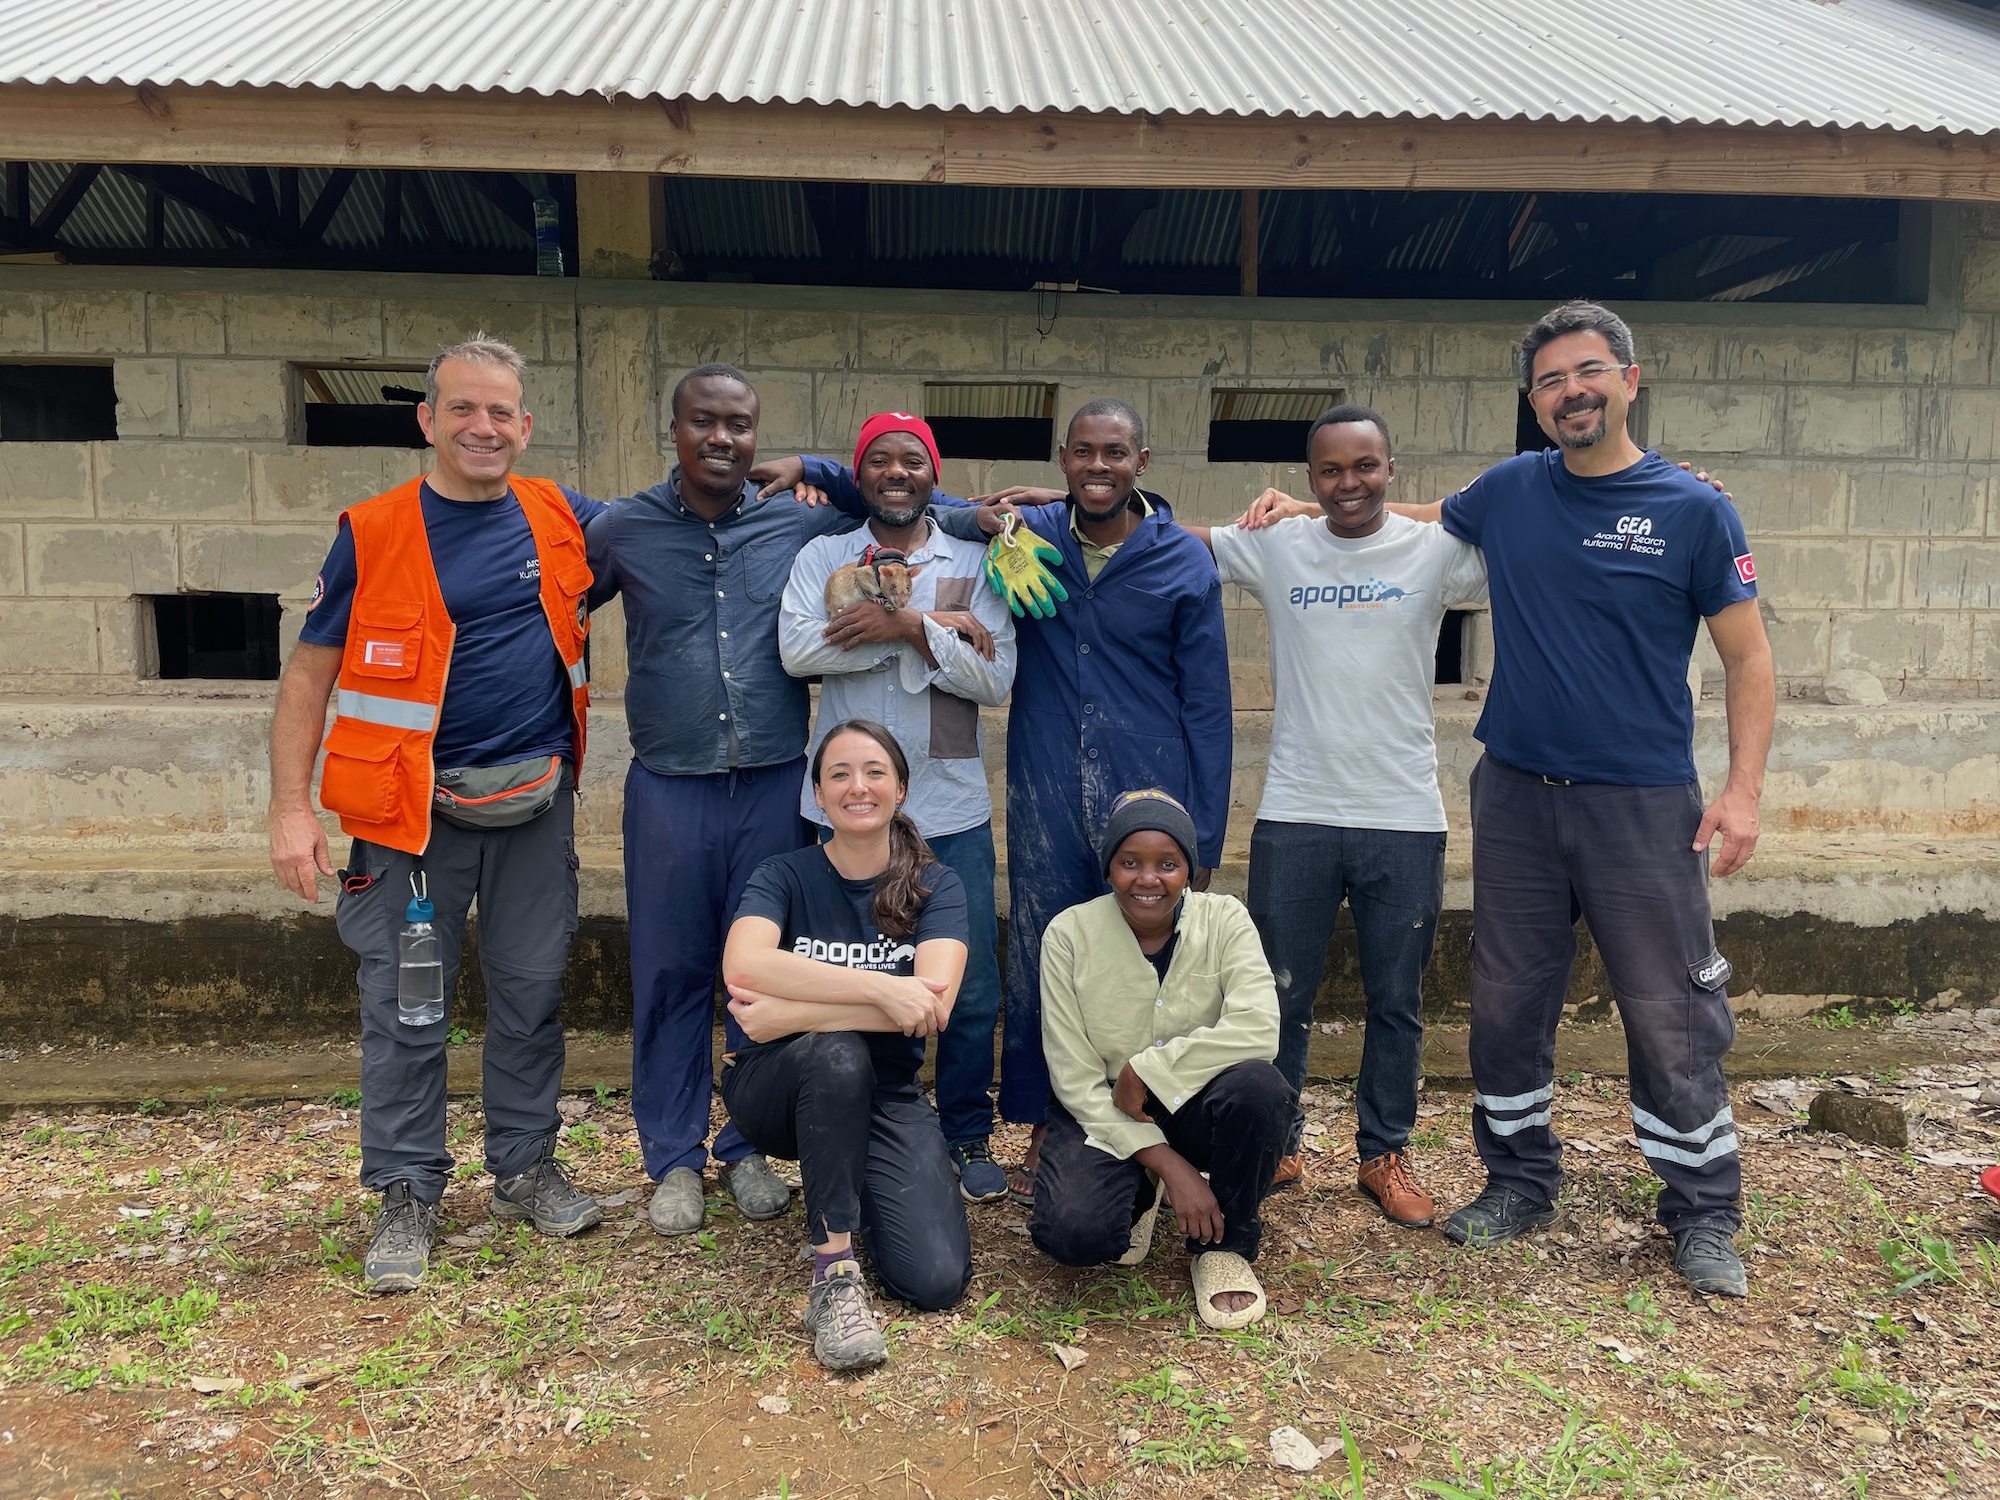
1603	560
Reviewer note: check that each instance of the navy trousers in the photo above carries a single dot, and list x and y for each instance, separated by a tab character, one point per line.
691	843
1622	858
1394	881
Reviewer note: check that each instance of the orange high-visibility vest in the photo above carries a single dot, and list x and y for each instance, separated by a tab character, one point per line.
378	774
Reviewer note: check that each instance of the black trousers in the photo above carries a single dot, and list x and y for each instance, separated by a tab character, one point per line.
1622	857
1234	1129
870	1154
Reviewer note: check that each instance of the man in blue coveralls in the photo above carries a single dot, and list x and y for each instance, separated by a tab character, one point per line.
1126	684
718	739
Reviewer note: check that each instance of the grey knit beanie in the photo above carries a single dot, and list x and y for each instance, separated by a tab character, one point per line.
1147	811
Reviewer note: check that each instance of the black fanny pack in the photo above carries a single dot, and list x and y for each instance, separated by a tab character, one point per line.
499	796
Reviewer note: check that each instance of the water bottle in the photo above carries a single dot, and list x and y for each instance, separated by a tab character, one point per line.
419	963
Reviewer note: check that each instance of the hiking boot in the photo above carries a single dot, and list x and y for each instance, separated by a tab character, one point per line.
1388	1180
759	1192
1495	1217
401	1248
980	1179
1291	1173
678	1203
546	1197
842	1324
1708	1262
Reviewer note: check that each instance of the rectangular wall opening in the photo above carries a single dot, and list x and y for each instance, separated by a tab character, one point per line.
226	636
1454	635
993	421
346	407
57	404
1263	427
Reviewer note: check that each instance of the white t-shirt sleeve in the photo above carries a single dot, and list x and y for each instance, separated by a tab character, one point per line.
1464	572
1239	556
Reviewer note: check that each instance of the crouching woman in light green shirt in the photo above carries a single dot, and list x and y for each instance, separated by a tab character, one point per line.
1160	1023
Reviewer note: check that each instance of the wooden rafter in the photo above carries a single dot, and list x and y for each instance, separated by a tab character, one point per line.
503	132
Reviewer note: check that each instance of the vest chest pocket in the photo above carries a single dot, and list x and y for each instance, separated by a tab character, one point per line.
385	638
573	578
363	774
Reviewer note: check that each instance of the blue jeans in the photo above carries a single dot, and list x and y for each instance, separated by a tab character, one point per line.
691	843
964	1080
1394	881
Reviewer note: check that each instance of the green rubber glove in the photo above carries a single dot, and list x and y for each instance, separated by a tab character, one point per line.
1017	569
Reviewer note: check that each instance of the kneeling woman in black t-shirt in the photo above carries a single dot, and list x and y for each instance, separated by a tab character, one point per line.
843	958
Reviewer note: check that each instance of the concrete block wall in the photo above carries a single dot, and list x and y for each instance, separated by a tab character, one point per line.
1862	444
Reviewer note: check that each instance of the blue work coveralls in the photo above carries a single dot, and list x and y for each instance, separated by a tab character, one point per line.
1127	686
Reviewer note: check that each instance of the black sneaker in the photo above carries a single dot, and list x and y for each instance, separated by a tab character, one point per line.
980	1179
401	1248
1495	1217
1708	1262
841	1322
545	1196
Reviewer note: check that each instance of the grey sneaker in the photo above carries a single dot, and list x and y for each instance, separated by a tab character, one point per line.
401	1248
677	1203
842	1325
544	1195
1708	1262
758	1191
1495	1217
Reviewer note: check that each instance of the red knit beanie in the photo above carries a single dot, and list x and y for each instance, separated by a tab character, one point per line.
898	421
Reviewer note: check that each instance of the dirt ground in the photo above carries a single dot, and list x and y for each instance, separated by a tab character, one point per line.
181	1314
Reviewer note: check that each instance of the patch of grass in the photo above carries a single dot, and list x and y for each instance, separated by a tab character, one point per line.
1859	1380
1644	1307
1840	1018
391	1369
1196	1439
119	1314
152	1106
345	1098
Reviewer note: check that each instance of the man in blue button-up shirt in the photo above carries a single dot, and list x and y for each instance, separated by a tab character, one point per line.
718	738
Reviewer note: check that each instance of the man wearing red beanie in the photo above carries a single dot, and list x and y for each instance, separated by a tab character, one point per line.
923	669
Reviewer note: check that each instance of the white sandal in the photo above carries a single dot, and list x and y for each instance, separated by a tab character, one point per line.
1218	1271
1142	1227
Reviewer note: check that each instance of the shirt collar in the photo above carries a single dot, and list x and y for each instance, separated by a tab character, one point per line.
1145	510
681	507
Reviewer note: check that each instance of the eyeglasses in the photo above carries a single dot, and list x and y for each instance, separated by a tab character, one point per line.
1587	373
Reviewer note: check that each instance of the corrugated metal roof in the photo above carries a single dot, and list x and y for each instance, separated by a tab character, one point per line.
1869	64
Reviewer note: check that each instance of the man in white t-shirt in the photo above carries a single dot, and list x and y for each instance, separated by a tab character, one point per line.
1354	599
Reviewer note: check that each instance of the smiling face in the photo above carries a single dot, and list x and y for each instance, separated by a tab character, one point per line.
1102	463
478	428
715	435
858	788
896	479
1148	875
1578	390
1351	473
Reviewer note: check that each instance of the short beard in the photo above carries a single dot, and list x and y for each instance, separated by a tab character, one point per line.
897	520
1099	517
1588	439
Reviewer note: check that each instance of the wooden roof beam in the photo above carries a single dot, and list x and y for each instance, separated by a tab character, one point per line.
503	132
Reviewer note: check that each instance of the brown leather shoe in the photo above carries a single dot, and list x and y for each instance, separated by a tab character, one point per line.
1388	1180
1291	1172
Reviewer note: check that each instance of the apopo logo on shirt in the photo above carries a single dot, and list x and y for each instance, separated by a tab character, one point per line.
883	953
1374	594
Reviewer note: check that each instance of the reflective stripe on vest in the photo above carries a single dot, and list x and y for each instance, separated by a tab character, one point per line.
396	713
579	674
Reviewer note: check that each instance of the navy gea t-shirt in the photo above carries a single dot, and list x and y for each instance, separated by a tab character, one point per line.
822	915
1598	586
496	710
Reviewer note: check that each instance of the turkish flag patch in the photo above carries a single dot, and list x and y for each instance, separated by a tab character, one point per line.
1746	568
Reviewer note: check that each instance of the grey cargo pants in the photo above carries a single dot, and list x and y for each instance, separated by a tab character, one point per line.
524	878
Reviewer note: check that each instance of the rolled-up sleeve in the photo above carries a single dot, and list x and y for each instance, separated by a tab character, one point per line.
802	643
